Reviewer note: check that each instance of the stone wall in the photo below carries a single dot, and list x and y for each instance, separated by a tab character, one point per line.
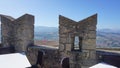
51	56
85	30
7	28
17	32
20	33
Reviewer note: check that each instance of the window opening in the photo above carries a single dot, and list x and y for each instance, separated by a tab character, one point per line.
77	45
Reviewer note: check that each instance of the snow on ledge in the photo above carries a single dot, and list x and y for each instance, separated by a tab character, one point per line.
102	65
14	60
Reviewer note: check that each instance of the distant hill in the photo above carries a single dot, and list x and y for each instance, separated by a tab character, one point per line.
117	31
106	38
46	33
45	29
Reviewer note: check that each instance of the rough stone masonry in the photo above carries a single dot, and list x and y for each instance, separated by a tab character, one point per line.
17	32
83	53
77	41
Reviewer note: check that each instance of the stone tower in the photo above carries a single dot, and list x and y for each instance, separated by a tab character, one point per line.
17	32
77	41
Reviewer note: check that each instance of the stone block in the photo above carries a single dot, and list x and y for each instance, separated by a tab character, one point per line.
68	47
61	47
92	28
88	62
89	44
91	35
92	54
85	54
63	40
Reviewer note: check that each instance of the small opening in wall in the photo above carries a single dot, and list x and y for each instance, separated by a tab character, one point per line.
65	63
77	45
40	58
0	33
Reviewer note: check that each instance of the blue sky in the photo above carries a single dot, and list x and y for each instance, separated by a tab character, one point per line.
46	12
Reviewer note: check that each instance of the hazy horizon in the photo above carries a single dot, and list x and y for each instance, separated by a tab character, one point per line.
58	27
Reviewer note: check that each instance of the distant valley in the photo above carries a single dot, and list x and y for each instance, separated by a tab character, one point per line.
106	38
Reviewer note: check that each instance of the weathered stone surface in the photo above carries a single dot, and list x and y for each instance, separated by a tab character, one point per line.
7	30
32	54
20	34
63	40
24	32
17	32
85	30
90	35
62	48
89	44
89	58
68	47
51	57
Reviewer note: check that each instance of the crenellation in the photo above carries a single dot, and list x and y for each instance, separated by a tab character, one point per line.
85	30
77	41
17	32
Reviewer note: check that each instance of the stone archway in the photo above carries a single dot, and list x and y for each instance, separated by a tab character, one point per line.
65	63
